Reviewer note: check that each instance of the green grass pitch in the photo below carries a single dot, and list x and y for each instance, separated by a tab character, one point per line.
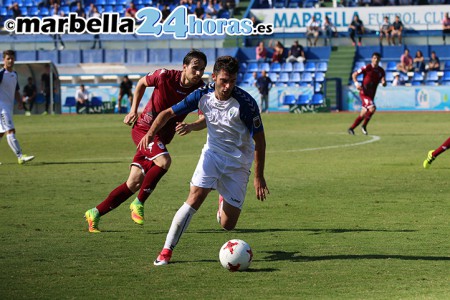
348	217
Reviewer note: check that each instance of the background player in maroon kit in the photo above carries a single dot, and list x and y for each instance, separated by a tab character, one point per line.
149	165
432	154
373	75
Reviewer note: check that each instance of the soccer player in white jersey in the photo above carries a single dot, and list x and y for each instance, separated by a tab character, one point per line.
235	139
9	91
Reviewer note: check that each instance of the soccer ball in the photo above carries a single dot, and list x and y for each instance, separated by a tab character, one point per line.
235	255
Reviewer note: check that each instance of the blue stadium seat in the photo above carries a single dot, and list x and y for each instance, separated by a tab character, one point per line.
319	77
252	67
310	67
65	9
391	66
431	83
114	56
242	67
445	80
286	67
280	84
137	56
284	77
303	99
92	56
44	12
295	3
28	3
100	3
309	3
159	56
275	67
432	76
389	76
279	4
322	66
273	77
247	77
447	65
416	83
298	67
24	11
70	102
289	100
108	9
263	66
295	77
307	77
317	99
70	57
358	65
96	102
111	2
417	76
292	84
33	11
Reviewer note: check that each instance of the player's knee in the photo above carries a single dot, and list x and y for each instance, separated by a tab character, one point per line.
164	162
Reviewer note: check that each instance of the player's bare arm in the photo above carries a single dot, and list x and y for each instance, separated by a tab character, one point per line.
185	128
132	116
159	123
259	181
355	80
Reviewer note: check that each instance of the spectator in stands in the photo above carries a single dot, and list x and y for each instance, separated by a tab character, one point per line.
29	94
82	97
329	30
223	11
210	10
296	53
93	13
312	31
419	62
255	21
261	52
199	11
445	27
56	37
165	12
16	12
264	84
397	80
385	30
278	51
252	80
231	6
126	87
80	11
406	62
131	11
434	64
397	30
356	29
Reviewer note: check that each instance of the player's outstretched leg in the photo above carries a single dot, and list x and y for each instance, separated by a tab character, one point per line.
24	158
163	258
93	218
137	211
219	210
427	162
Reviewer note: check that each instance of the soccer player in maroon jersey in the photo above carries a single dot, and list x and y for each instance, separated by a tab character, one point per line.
150	164
373	75
432	154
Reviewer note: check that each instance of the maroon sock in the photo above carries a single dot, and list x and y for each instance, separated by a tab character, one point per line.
119	195
442	148
358	120
367	118
151	179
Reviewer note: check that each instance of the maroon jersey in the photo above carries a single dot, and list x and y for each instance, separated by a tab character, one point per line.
372	78
168	91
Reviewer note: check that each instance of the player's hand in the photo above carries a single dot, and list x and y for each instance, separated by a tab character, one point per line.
261	188
144	143
130	118
182	128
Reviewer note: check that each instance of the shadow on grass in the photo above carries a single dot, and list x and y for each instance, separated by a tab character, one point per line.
294	257
313	230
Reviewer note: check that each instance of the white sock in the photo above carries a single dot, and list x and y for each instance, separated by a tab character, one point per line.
14	144
180	222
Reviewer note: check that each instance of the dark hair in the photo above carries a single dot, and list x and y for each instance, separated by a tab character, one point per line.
376	54
9	52
227	63
194	53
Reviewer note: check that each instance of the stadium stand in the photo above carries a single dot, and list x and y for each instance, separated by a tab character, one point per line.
70	102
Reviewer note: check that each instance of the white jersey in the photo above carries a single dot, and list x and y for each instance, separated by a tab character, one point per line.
231	123
8	88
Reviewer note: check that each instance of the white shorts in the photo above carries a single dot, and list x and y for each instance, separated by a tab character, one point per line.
224	174
6	122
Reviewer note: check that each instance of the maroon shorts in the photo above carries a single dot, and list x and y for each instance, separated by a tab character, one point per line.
367	102
143	159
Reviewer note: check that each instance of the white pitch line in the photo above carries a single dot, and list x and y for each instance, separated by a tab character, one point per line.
373	139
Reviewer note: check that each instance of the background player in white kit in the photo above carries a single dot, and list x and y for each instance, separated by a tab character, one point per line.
233	122
9	91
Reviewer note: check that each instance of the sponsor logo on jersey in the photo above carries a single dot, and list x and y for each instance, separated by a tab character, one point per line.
161	145
232	112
